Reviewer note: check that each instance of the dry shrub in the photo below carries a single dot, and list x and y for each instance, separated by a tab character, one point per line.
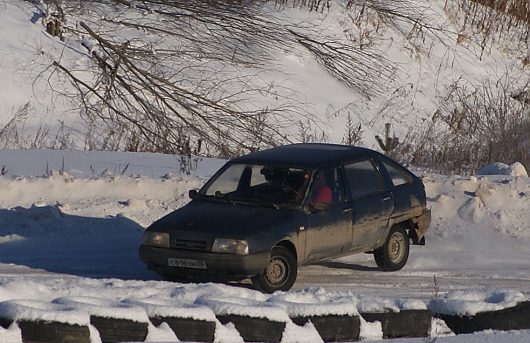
505	21
16	134
519	9
473	126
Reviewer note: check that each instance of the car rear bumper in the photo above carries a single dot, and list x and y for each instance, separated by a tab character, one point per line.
218	266
422	223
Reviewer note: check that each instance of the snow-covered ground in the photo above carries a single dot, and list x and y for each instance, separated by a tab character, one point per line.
426	65
72	229
71	221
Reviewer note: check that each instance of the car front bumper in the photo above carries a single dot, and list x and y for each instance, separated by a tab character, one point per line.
218	266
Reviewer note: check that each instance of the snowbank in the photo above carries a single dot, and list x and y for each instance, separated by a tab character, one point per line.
469	303
104	308
477	222
408	97
497	168
160	307
315	302
34	310
91	225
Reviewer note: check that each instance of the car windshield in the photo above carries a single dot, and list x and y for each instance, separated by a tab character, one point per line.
259	184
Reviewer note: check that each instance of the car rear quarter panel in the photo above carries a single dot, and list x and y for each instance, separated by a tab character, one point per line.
409	202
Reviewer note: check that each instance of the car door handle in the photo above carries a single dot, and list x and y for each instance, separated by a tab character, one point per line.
387	198
347	210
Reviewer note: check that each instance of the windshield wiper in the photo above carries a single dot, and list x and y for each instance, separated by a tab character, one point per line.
264	203
224	196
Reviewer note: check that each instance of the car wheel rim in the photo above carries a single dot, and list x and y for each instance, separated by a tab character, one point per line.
277	271
396	247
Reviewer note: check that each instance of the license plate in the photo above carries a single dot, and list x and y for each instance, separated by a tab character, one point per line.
186	263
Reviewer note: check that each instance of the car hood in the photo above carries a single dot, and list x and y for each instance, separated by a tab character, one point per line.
221	220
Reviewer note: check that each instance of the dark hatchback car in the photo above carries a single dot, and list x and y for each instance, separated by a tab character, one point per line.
264	214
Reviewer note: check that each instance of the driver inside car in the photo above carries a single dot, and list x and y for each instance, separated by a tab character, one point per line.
321	193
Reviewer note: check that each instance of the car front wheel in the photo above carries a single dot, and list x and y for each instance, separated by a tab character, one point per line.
393	255
280	273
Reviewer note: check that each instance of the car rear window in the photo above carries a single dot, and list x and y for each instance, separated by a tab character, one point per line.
397	175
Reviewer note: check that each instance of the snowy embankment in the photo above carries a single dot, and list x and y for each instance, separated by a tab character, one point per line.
57	227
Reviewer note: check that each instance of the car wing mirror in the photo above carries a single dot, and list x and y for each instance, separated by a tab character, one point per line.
193	193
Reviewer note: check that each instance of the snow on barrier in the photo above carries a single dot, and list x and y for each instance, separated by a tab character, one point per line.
398	317
203	313
467	312
190	323
255	329
334	317
50	331
254	320
45	322
405	323
115	321
513	318
119	330
333	328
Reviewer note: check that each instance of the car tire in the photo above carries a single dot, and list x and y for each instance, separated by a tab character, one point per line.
280	274
393	255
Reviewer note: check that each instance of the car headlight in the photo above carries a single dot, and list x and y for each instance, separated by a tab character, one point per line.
156	239
230	246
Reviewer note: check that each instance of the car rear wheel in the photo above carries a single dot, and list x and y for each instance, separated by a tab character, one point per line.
280	273
393	255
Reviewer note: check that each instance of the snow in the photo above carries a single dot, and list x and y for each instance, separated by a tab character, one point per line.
370	331
161	333
497	168
72	237
424	64
469	303
315	302
159	307
301	334
319	301
36	310
104	308
11	335
78	163
227	334
71	221
244	307
521	336
372	304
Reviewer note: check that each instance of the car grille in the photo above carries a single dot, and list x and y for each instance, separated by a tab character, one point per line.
191	245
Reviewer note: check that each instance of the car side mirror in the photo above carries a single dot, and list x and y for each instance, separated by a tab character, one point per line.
318	207
192	193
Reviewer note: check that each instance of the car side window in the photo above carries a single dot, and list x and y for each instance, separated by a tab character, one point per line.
363	178
327	187
398	177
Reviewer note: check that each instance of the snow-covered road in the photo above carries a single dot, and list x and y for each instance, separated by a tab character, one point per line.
75	232
88	223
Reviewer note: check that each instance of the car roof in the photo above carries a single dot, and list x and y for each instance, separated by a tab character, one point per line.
307	155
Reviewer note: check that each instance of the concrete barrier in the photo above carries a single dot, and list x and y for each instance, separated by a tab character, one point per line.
405	323
513	318
333	328
113	330
42	331
188	330
253	329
